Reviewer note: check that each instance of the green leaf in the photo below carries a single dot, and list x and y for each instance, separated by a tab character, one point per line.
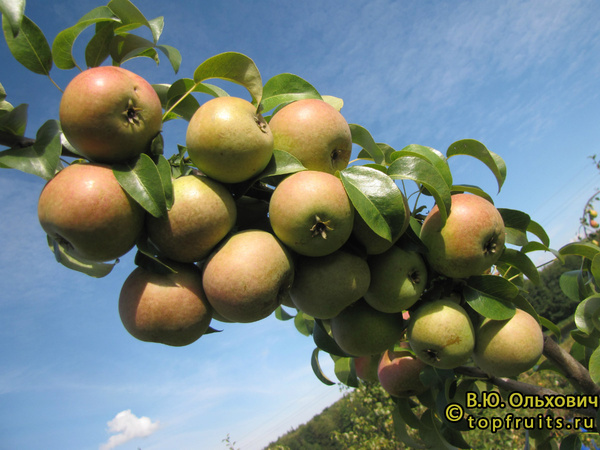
520	261
595	267
234	67
62	47
98	48
314	362
476	149
585	249
281	163
550	326
460	188
361	137
345	372
572	285
29	47
172	54
15	121
141	180
304	323
42	158
377	199
336	102
13	10
286	88
537	230
177	97
435	158
585	313
132	17
400	428
129	46
516	224
324	341
594	366
490	307
571	442
493	286
422	172
282	314
166	177
91	268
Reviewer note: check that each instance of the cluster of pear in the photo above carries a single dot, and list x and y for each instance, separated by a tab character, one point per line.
237	258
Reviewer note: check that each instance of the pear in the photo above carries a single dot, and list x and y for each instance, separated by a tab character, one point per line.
470	242
248	276
314	132
324	286
507	348
398	279
441	334
166	308
361	330
203	213
228	140
311	213
85	210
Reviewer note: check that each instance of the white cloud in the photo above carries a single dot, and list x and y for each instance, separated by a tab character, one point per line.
128	427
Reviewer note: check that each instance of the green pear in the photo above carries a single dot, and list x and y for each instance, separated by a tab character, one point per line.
361	330
399	372
314	132
203	213
470	242
324	286
166	308
247	276
398	278
85	209
110	114
441	334
311	213
507	348
228	140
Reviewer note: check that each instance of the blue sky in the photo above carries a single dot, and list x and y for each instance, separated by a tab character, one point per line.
523	77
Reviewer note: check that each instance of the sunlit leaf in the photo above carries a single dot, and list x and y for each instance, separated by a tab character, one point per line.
461	188
234	67
476	149
585	249
435	158
520	261
141	180
422	172
131	17
361	137
62	47
13	10
516	224
336	102
281	163
488	306
29	47
377	199
285	88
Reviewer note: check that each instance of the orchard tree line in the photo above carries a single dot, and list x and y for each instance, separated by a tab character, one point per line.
259	211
